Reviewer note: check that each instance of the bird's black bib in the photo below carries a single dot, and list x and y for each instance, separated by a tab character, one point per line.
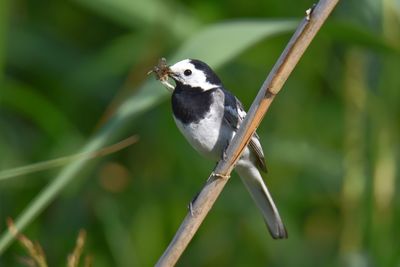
191	104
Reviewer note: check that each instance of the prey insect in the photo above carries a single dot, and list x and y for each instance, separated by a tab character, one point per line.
161	71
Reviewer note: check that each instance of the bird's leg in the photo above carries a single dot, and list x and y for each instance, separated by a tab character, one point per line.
219	175
213	175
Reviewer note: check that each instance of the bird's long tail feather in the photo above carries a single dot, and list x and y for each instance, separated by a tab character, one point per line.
253	181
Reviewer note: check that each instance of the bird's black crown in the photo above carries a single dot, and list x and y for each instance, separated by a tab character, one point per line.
211	77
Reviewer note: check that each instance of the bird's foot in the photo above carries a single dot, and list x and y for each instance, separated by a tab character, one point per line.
219	176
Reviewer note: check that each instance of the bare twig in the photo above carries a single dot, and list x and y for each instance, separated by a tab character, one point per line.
272	85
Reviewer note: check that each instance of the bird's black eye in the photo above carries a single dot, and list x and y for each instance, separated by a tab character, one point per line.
187	72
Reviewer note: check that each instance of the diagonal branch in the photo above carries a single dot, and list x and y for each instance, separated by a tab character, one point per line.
301	39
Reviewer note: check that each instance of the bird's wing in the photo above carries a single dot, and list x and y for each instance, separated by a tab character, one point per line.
234	111
234	115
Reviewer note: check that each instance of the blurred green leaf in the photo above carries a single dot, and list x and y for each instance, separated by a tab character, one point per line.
218	43
144	14
353	34
23	46
25	101
234	37
126	11
117	57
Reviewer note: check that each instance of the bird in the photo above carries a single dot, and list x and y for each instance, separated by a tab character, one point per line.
208	116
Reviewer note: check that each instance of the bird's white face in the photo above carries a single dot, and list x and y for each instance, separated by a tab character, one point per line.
194	73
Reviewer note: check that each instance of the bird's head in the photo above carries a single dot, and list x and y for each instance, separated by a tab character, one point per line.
194	73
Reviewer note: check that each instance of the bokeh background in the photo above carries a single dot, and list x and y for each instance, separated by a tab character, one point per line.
73	73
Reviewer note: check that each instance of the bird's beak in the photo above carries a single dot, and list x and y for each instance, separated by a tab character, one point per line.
172	74
161	70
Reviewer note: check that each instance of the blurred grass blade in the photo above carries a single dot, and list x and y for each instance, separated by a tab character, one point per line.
120	244
354	188
48	164
3	28
233	38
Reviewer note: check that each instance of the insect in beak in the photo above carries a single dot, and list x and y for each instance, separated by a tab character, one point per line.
162	72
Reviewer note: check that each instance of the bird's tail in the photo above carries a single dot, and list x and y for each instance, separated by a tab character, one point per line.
254	183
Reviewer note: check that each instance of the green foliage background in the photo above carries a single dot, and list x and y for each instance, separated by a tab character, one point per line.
73	78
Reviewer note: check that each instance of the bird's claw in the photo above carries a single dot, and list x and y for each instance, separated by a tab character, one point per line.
220	176
191	203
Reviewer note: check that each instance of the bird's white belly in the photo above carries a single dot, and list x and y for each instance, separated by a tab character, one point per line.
208	136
